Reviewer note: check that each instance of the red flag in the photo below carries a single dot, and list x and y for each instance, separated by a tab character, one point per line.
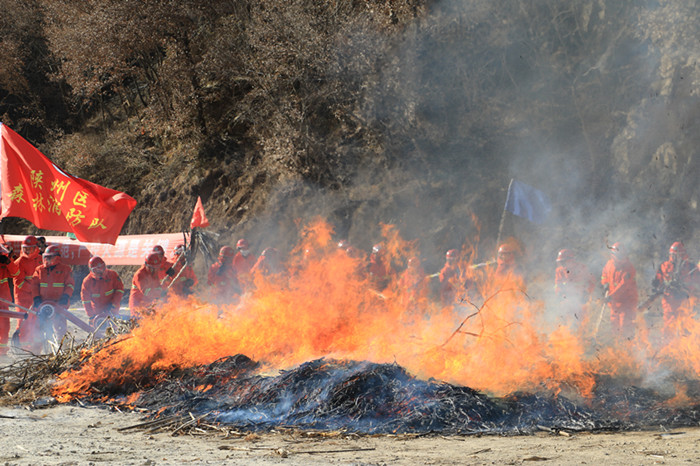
37	190
198	217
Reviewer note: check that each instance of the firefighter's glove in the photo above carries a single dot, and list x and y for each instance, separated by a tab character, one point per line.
64	300
4	259
37	301
170	272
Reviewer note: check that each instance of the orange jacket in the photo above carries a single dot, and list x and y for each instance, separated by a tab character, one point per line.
677	283
178	287
7	271
620	279
145	289
100	294
23	288
223	282
52	282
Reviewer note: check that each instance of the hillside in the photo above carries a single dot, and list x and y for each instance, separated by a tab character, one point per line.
405	112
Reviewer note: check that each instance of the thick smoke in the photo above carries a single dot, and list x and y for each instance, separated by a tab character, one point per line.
591	103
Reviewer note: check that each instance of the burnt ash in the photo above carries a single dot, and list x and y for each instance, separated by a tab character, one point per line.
371	398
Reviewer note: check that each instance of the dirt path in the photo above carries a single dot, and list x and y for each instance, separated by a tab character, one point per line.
72	435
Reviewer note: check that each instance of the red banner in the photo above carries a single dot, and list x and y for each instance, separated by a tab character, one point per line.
128	250
198	217
35	189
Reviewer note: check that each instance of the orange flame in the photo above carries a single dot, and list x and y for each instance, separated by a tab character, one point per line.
492	339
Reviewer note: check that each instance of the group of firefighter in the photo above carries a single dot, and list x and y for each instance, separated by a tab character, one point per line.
38	276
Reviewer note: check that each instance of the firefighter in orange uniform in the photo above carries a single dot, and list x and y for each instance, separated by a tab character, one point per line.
181	283
27	262
506	265
53	281
449	278
243	262
377	270
166	267
146	288
101	292
413	283
676	280
620	285
222	277
8	271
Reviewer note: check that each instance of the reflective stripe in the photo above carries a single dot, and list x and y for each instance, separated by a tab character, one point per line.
44	285
4	280
86	302
109	292
120	291
57	285
95	295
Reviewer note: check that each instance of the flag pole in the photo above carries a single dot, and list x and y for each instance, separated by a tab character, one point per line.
503	218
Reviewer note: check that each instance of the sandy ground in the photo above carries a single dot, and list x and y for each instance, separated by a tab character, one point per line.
71	435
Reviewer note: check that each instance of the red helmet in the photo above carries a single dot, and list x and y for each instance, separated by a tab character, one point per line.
96	261
242	244
677	249
451	254
226	251
617	250
52	255
179	250
158	249
565	255
154	259
30	246
97	265
30	241
506	254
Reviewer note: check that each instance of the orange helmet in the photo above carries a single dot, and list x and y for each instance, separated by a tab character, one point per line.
677	251
30	241
242	244
618	251
226	251
96	261
154	259
30	246
97	265
52	255
506	254
565	255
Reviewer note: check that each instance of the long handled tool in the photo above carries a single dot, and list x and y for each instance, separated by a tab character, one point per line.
64	312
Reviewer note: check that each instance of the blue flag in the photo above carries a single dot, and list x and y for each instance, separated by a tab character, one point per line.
525	201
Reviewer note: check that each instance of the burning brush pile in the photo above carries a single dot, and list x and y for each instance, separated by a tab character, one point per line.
320	348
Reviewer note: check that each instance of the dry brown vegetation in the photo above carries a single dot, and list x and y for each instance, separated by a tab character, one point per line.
410	112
